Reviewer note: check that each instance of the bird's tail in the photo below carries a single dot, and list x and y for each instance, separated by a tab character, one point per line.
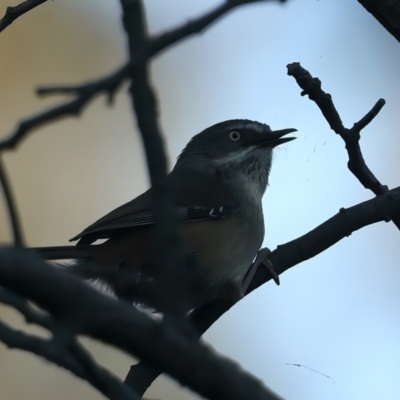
83	264
64	252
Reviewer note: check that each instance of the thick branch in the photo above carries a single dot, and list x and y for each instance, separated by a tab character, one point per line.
387	12
385	207
169	247
12	13
84	94
68	354
87	311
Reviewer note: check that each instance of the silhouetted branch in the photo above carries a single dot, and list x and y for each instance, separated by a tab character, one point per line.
166	39
312	87
356	164
174	293
84	94
11	207
30	314
385	207
387	12
99	377
12	13
62	349
82	309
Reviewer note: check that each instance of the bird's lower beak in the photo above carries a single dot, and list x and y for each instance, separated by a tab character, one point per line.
275	138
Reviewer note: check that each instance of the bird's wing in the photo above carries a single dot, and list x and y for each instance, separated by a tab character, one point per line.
191	207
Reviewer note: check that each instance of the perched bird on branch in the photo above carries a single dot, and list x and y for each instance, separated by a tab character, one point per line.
219	180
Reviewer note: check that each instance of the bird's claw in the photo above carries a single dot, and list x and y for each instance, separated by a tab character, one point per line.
261	260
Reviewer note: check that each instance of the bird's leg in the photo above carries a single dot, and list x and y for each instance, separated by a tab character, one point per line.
232	293
263	261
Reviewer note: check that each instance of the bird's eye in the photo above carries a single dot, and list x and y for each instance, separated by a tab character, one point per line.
234	136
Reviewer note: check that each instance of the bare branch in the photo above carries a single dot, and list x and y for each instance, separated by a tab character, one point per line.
41	347
166	39
86	311
11	206
174	292
84	94
141	376
12	13
312	87
30	314
385	207
67	354
99	377
364	121
356	164
387	12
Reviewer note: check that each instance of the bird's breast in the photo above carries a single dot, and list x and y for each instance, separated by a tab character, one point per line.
224	249
220	250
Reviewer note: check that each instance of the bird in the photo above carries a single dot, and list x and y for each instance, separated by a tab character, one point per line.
219	180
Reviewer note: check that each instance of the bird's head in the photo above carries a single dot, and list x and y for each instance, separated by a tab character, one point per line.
237	147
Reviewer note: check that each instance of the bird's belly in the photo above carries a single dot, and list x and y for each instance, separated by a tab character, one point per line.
223	250
219	251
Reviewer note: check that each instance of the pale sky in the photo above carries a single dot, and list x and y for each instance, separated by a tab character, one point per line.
336	314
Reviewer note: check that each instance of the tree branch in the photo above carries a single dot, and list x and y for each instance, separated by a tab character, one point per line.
11	206
12	13
385	207
86	311
174	292
83	93
166	39
387	12
66	354
356	164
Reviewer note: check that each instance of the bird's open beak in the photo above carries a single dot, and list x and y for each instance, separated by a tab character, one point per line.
274	138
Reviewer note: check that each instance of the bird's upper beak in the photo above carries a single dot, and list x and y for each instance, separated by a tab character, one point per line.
274	138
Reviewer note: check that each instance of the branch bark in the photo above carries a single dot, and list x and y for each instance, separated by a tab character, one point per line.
381	208
12	13
84	310
11	204
84	94
387	12
62	349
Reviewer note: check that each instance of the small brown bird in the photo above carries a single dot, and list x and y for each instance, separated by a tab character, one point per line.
219	180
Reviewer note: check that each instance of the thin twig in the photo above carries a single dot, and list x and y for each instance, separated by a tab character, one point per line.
42	347
312	370
312	87
166	39
12	13
99	377
84	94
69	355
52	351
15	222
30	314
